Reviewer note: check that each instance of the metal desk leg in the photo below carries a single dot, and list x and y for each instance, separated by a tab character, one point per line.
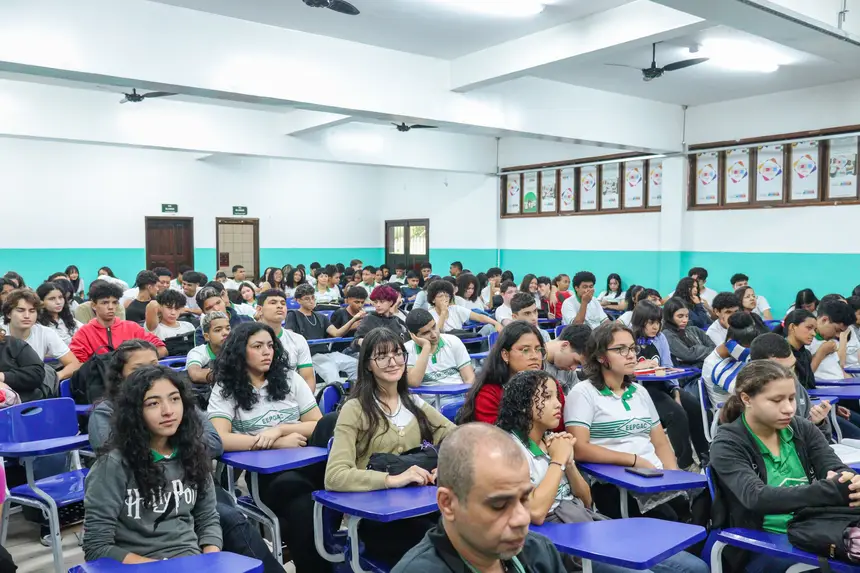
355	557
276	527
624	512
52	516
438	400
586	566
717	557
319	536
231	483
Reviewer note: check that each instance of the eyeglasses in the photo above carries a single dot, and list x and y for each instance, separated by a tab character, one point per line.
399	359
527	352
625	350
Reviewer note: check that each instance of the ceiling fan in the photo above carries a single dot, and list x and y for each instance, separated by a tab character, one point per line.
341	6
654	72
135	97
404	128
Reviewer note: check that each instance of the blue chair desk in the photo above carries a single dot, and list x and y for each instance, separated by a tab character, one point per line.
843	382
474	340
672	374
548	321
441	390
773	544
175	362
772	324
268	462
318	341
209	562
647	541
478	355
383	505
851	392
671	480
852	369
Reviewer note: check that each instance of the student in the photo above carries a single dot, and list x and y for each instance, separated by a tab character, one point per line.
273	313
380	275
480	470
561	287
492	290
762	307
721	367
221	277
411	289
456	269
566	354
55	312
798	328
20	313
583	308
852	344
216	329
688	346
700	275
523	307
353	312
469	293
213	298
356	265
747	296
238	278
293	279
451	317
146	286
324	292
615	422
614	295
191	283
679	411
631	297
274	280
699	311
6	286
548	304
368	279
74	276
833	318
152	496
162	320
176	284
435	359
383	416
426	273
529	285
399	273
106	330
248	294
725	305
504	313
21	369
768	463
258	402
384	299
106	274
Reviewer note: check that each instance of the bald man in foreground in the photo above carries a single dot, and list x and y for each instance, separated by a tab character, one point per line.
484	493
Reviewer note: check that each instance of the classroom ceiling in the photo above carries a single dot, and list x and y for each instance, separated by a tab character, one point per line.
423	27
704	83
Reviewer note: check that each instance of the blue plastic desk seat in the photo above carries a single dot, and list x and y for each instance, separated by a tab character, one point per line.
65	489
222	562
775	545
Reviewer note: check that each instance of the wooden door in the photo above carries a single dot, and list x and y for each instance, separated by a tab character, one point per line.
169	242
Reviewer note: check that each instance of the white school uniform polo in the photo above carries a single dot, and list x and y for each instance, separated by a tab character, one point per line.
457	317
444	364
853	347
594	314
265	413
761	305
614	297
201	355
538	461
164	332
331	295
717	332
626	319
297	348
621	424
63	332
44	340
830	368
504	312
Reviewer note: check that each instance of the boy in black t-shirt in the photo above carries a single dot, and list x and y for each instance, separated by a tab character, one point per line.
355	297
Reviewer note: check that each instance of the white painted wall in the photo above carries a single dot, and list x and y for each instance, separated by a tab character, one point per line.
516	151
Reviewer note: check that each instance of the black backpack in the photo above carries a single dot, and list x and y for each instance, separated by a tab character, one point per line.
180	345
90	382
821	530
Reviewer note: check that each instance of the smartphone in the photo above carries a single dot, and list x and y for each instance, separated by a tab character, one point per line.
645	472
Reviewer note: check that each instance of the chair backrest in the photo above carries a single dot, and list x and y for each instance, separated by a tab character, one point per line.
491	340
558	330
66	388
329	399
710	482
450	410
292	303
175	362
38	420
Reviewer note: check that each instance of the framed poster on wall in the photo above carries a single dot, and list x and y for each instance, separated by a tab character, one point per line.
530	192
770	179
609	185
842	168
655	182
588	188
707	178
634	184
548	197
512	194
737	176
804	171
567	188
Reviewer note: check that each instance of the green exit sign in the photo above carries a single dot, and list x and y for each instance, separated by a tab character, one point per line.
169	208
240	211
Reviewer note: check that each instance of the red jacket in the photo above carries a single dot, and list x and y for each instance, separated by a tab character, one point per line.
488	402
92	338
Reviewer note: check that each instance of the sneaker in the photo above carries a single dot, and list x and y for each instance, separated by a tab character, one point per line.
45	535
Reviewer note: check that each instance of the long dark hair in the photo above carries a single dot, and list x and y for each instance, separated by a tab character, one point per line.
231	367
631	297
463	282
672	306
270	278
495	370
596	349
751	380
289	280
108	271
131	438
645	312
65	315
119	360
382	341
76	284
805	296
682	291
794	318
525	391
617	277
524	285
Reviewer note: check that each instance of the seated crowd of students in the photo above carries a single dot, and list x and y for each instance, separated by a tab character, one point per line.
251	378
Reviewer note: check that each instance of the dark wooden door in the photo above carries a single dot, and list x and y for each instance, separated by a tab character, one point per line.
407	242
169	242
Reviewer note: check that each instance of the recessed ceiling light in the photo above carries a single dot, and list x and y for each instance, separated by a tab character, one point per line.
741	55
506	8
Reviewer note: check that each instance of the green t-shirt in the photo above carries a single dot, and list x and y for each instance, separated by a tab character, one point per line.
783	471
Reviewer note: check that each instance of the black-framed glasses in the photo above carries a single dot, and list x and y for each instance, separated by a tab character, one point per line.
384	360
625	350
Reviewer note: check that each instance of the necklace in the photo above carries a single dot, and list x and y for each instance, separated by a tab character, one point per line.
399	407
312	322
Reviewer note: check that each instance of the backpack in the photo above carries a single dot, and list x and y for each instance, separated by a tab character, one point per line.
90	382
822	531
180	345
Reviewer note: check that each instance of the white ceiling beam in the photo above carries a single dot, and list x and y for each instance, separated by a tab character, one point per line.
589	39
303	121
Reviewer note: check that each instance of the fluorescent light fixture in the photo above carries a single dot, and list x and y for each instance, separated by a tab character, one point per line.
505	8
741	56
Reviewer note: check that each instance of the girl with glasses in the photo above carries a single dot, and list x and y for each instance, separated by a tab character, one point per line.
615	422
382	416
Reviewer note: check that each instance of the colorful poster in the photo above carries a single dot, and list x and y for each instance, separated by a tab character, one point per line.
737	176
609	185
588	188
707	178
842	175
804	170
512	195
530	192
634	184
566	188
655	182
547	192
769	173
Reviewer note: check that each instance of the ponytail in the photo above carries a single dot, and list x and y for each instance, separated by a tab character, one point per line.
751	380
732	409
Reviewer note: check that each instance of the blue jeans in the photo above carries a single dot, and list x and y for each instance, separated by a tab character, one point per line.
682	562
760	563
850	428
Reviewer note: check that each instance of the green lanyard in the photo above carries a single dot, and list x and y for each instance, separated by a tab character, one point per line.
628	393
516	562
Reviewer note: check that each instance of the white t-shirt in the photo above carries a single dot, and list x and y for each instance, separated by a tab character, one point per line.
164	332
444	364
63	332
201	355
457	316
626	319
44	340
297	349
191	301
477	304
611	296
176	285
129	295
612	426
829	369
329	296
504	312
245	309
761	305
853	347
717	332
265	413
594	314
539	466
403	417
